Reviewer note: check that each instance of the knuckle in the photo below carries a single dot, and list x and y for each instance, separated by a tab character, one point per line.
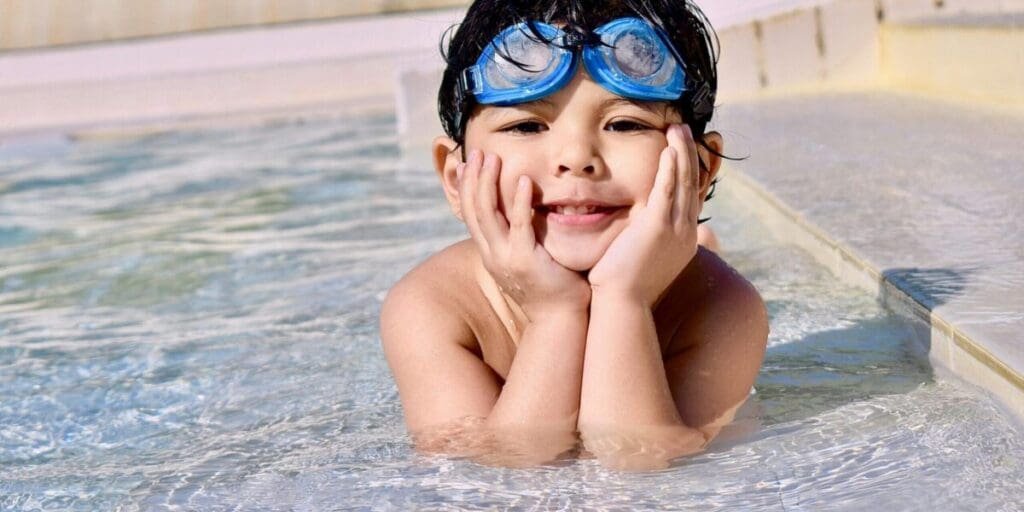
688	183
515	220
520	221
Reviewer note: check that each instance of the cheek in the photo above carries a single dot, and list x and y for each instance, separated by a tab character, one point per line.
637	174
512	167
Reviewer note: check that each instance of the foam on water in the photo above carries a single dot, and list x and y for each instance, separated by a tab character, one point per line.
188	322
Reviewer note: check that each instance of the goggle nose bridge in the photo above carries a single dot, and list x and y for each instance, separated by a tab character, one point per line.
575	40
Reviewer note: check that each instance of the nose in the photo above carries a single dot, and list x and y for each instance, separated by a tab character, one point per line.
578	156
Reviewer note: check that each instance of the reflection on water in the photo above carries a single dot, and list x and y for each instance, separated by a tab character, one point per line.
188	321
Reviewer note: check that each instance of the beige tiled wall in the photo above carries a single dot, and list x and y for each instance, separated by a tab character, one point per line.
836	43
849	34
42	23
790	49
903	10
954	6
932	60
739	68
900	10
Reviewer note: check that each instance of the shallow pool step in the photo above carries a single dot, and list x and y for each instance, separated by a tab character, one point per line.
915	198
973	57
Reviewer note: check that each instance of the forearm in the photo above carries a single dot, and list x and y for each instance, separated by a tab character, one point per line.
542	389
624	374
533	419
625	400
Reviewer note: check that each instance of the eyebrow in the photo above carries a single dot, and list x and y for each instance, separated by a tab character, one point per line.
608	104
543	103
651	107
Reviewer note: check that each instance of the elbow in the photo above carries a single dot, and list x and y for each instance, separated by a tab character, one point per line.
475	439
642	449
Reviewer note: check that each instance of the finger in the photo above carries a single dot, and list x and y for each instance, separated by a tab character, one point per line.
467	196
521	235
678	138
660	198
492	222
690	204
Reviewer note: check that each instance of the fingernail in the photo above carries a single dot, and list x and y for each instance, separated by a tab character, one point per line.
474	156
458	171
523	182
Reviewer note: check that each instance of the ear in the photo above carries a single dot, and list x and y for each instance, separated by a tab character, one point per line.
710	162
446	158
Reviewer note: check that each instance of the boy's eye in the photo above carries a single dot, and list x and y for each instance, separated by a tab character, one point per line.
627	126
526	127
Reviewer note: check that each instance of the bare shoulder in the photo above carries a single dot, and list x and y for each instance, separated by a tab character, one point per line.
731	302
430	301
713	301
718	350
727	289
429	333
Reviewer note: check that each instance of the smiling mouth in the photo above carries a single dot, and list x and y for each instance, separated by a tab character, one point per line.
580	216
576	210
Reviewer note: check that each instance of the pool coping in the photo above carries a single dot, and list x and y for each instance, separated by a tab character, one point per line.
947	346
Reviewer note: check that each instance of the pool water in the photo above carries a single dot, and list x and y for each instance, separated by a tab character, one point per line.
188	321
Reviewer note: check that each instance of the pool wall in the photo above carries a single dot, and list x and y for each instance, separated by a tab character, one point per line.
948	348
47	23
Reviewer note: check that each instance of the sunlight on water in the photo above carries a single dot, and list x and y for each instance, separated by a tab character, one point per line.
188	322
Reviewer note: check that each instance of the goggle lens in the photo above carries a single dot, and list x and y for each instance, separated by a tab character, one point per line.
637	55
533	57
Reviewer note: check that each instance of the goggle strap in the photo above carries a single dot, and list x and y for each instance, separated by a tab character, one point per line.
470	81
703	101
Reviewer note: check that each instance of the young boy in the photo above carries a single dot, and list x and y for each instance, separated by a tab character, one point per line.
582	303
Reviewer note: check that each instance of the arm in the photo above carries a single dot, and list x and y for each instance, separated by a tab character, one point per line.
543	386
454	403
628	417
640	411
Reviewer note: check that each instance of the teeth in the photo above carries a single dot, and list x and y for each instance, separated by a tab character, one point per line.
574	210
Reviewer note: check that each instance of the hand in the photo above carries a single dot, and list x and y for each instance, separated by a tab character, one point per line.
523	268
662	238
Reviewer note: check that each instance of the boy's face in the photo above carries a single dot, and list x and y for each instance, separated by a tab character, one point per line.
581	145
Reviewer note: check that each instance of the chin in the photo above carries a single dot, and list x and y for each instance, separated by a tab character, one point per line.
574	260
578	266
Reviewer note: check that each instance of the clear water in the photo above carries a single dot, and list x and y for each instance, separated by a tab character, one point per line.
188	322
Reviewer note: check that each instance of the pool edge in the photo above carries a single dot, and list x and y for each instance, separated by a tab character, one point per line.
947	346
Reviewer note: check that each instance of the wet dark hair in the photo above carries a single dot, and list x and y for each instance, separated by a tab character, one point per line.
685	24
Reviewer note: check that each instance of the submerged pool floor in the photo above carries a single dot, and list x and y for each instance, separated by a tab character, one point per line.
188	321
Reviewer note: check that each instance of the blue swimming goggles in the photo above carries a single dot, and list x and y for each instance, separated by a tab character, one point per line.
626	56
